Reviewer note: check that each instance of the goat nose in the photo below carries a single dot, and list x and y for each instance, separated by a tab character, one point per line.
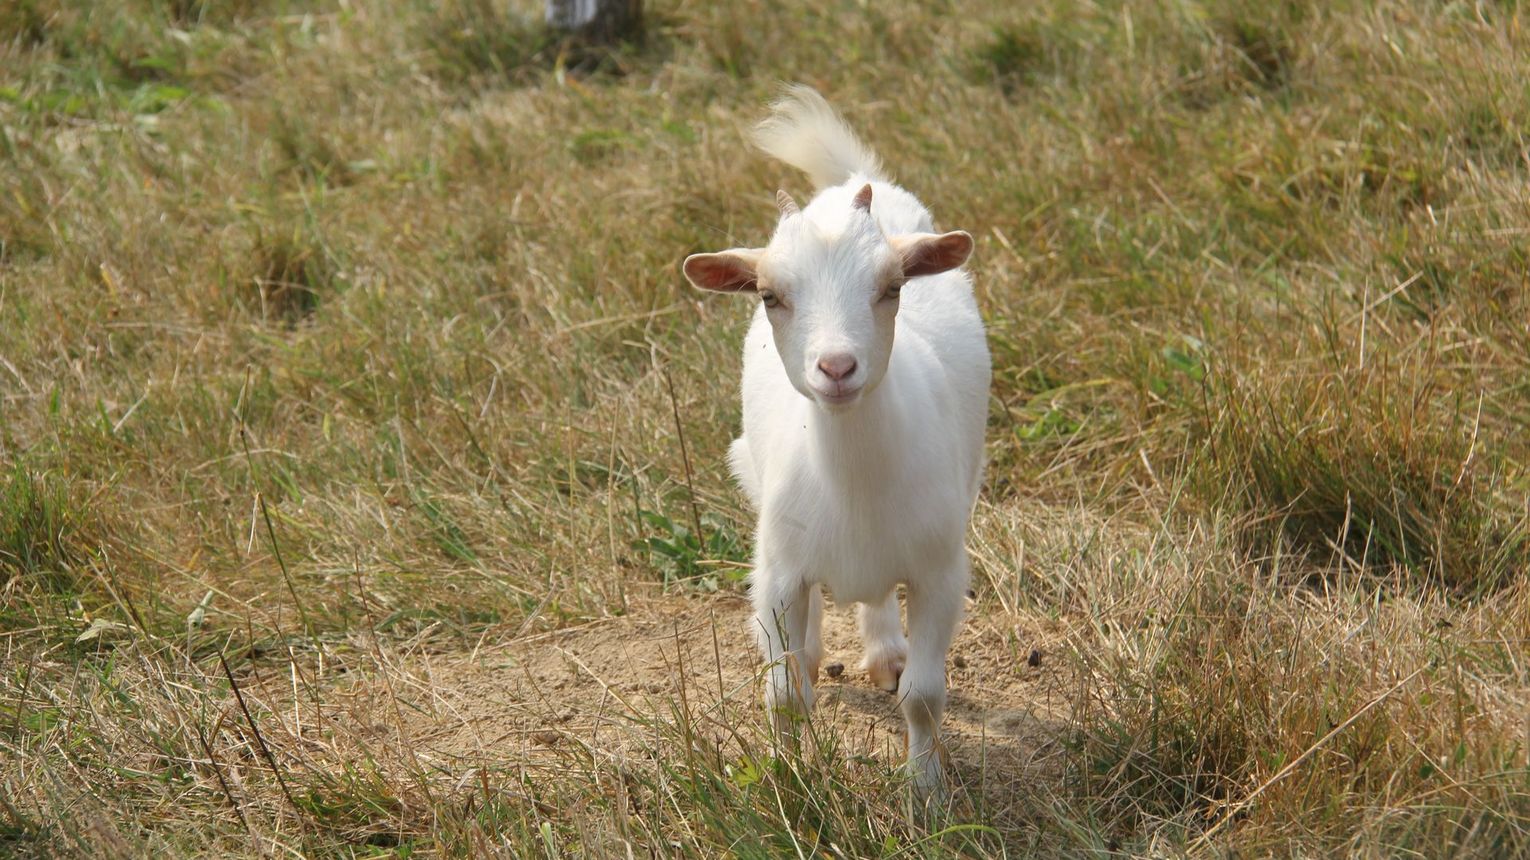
837	366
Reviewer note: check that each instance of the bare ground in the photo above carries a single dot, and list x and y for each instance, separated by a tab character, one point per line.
602	685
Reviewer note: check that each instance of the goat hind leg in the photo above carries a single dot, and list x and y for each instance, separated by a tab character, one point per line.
886	648
812	642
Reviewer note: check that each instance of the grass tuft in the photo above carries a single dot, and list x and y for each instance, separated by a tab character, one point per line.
292	273
42	526
1012	58
27	22
1374	469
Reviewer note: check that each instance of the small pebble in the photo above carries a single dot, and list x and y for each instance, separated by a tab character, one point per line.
834	670
1035	658
546	738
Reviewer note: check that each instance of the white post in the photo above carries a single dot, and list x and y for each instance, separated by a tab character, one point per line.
571	14
598	20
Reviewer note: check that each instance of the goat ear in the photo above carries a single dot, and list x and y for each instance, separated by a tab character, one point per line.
733	271
932	253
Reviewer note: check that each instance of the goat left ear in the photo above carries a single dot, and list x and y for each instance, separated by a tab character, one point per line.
733	271
932	253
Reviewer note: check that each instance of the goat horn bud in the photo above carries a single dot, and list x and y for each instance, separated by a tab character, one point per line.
787	205
862	199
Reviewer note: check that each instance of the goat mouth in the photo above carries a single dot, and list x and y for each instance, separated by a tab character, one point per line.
838	397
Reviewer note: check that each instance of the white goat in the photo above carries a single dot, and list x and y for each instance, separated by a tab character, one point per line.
865	395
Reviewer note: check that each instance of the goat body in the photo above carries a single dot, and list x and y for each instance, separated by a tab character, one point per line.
865	391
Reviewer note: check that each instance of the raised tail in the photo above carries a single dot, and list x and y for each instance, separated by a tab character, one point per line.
805	132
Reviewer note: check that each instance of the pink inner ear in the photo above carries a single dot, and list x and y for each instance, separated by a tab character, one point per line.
725	273
931	255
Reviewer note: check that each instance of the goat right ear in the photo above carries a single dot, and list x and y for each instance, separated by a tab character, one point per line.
732	271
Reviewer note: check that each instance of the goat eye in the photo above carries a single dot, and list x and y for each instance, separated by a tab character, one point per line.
769	298
894	291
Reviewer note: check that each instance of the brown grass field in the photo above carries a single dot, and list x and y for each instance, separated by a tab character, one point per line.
362	484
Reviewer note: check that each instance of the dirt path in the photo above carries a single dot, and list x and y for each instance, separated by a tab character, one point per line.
601	684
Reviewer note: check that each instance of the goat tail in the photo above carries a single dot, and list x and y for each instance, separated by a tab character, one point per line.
805	132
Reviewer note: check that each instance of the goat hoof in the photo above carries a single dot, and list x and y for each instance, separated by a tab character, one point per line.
928	780
885	669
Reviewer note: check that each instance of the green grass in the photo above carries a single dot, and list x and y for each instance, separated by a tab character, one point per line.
343	337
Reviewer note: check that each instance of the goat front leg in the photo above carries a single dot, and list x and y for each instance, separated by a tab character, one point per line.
782	607
934	609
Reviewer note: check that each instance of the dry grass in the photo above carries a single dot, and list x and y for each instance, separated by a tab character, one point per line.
343	338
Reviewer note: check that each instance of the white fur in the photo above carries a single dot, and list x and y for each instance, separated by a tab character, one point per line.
866	495
805	132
